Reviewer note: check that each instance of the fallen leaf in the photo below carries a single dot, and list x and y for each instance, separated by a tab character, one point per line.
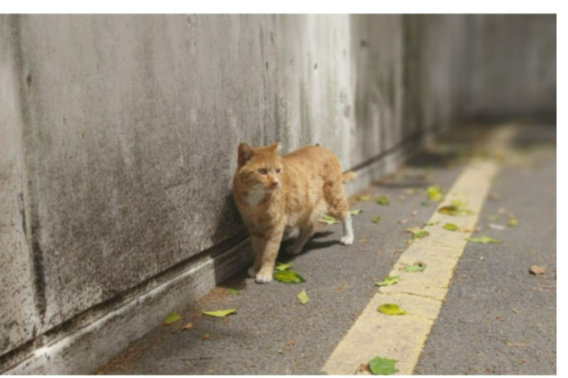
220	313
355	211
484	240
409	191
451	227
382	366
391	309
498	227
187	326
417	233
233	291
328	219
303	297
376	219
425	203
413	230
537	270
205	337
281	266
434	193
512	222
363	198
388	280
515	345
418	266
363	367
420	235
288	276
383	200
455	211
403	221
431	223
172	318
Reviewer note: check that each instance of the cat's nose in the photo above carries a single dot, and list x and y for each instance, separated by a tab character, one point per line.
274	183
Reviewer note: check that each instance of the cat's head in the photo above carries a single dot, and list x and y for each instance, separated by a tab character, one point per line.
260	168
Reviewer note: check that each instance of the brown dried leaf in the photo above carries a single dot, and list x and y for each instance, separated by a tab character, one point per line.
205	337
187	326
537	270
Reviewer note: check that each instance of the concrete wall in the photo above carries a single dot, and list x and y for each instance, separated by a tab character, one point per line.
119	137
512	64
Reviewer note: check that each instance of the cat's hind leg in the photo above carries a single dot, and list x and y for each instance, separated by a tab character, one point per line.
305	234
338	207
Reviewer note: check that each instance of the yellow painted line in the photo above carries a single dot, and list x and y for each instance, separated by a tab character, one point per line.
420	294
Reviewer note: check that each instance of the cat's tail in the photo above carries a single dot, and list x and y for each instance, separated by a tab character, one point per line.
348	176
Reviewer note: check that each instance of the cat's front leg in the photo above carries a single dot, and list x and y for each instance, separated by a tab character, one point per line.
266	249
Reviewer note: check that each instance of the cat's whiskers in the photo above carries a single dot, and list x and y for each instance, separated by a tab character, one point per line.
255	195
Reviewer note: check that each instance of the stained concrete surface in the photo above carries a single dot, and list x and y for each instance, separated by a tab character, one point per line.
498	318
491	302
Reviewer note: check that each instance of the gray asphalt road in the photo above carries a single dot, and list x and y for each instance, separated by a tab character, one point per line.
498	318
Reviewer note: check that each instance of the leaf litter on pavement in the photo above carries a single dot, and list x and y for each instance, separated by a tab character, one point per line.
391	309
451	227
382	366
418	266
388	281
220	313
328	219
484	240
382	200
434	193
303	297
288	276
172	318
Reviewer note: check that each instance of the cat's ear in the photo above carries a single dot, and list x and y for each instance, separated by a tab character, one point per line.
275	147
245	153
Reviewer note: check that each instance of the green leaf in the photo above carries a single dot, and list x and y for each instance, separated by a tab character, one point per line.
416	267
328	219
425	203
172	318
388	281
512	222
376	219
455	211
233	291
484	240
383	200
382	366
434	193
220	313
431	223
363	198
420	235
391	309
288	276
356	211
281	266
303	297
451	227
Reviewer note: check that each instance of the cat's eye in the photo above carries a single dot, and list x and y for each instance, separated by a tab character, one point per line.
262	171
278	170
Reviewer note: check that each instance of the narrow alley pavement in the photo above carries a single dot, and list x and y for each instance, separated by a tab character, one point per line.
493	316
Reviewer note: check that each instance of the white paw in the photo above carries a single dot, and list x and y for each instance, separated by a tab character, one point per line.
291	250
251	272
263	277
347	240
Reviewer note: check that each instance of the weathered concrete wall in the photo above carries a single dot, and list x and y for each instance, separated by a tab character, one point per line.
512	64
119	138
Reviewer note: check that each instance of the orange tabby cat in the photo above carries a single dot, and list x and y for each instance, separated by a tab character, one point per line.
275	194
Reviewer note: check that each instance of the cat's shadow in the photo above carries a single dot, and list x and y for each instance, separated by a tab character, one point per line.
312	244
